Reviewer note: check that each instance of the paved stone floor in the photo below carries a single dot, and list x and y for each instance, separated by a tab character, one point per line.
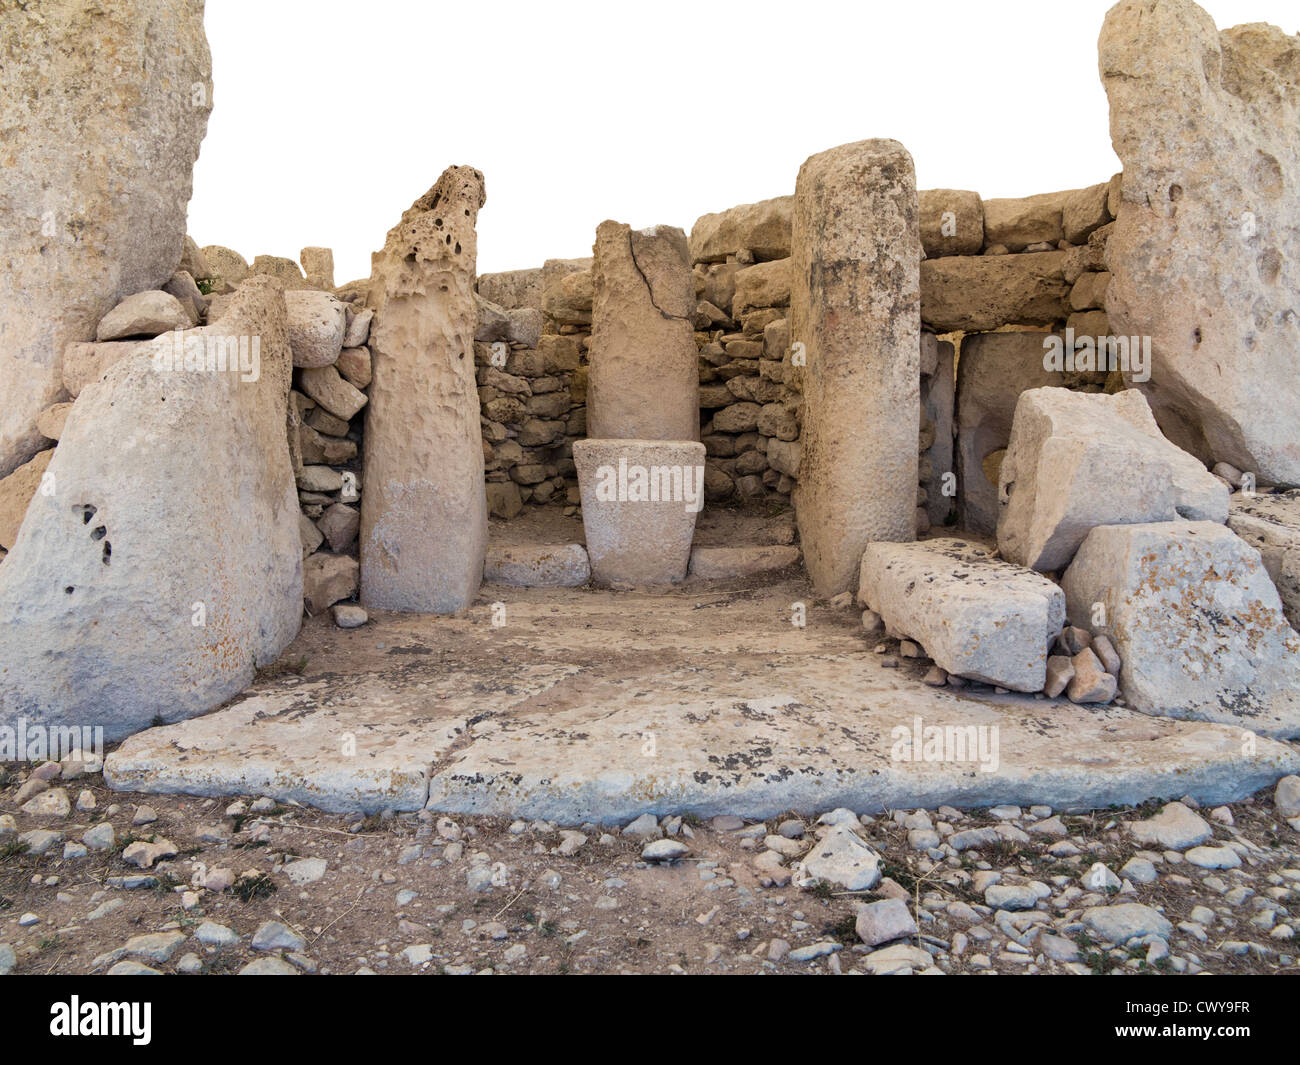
580	705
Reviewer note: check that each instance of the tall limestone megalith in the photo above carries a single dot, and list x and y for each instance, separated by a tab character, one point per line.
1205	254
423	504
644	377
159	564
103	107
856	310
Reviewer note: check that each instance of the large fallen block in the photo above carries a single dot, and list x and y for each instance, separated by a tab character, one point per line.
1196	621
1077	460
1271	525
976	616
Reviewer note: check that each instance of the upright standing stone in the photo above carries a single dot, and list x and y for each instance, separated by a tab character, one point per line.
103	107
856	309
1205	253
151	578
423	505
644	375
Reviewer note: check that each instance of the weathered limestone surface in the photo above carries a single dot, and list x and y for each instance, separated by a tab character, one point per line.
16	493
1077	460
97	168
317	322
158	573
855	306
993	371
1205	253
975	615
537	565
512	289
87	361
762	229
645	536
1017	223
643	378
226	265
937	405
567	290
952	222
723	563
424	510
1271	525
1196	621
976	293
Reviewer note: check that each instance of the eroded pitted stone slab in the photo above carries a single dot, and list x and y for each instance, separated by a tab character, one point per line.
975	615
131	593
1205	254
643	380
855	308
97	161
424	509
1196	621
1077	460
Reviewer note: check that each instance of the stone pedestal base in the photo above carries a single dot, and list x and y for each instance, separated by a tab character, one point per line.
639	503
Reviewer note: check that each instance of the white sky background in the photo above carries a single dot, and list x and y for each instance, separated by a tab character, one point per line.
331	116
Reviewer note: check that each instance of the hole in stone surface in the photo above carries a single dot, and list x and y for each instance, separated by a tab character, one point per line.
1270	265
69	590
1196	336
457	247
99	533
1175	193
1267	173
108	552
87	512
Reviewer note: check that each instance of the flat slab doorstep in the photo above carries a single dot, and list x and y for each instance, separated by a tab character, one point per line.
602	705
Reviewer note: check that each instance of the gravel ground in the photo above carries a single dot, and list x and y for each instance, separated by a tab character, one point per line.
247	885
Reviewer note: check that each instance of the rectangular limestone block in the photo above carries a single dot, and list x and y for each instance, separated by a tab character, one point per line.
762	229
980	293
975	615
855	317
952	222
640	499
537	565
1196	621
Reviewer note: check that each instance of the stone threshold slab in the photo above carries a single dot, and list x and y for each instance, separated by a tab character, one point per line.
746	735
